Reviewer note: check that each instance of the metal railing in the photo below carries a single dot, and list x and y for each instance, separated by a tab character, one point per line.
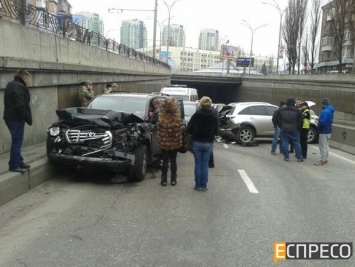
63	26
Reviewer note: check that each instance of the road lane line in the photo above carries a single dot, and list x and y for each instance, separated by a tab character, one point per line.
349	160
225	146
248	182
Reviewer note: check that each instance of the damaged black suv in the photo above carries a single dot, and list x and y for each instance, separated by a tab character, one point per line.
115	132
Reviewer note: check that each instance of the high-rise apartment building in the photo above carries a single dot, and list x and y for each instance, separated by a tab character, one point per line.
176	35
133	34
91	21
337	35
209	40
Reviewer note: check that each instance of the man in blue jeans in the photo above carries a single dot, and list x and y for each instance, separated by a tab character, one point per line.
277	130
290	121
17	112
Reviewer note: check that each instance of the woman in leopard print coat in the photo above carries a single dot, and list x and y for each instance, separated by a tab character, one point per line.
169	136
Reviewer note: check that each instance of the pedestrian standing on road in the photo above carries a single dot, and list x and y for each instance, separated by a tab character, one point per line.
17	112
107	89
203	127
325	130
306	123
277	130
290	121
86	93
169	137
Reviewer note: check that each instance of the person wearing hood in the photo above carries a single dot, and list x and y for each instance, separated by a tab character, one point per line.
169	133
325	130
203	127
290	122
17	112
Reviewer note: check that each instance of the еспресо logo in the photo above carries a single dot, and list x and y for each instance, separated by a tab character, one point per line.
312	251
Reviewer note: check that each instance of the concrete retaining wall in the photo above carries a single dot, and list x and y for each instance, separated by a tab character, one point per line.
57	67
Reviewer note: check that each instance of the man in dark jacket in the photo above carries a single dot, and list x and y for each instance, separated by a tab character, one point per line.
17	112
290	122
277	131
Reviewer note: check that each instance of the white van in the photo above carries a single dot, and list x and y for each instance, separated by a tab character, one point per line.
180	91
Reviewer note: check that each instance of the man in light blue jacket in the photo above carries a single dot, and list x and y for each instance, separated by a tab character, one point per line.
325	131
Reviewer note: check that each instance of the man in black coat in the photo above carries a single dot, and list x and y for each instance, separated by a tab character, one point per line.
290	122
17	112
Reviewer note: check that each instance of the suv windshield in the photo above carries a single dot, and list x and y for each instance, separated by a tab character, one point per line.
135	105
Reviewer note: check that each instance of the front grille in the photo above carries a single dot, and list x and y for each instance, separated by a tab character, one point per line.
99	140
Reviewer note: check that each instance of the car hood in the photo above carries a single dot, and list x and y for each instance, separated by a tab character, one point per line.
98	117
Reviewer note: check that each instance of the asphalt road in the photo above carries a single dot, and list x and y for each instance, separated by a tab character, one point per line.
254	199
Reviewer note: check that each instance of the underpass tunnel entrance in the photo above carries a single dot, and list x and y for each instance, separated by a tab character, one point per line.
218	92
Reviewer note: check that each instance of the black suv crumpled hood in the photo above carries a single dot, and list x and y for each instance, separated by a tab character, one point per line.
103	118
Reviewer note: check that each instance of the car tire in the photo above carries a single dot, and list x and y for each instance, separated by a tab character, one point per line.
245	134
312	136
138	170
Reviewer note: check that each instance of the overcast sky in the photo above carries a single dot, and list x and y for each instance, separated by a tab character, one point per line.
223	15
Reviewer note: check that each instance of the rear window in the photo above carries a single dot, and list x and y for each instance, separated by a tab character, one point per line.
133	105
183	97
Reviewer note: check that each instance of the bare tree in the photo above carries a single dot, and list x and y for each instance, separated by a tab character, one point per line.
302	6
305	52
314	30
291	30
343	27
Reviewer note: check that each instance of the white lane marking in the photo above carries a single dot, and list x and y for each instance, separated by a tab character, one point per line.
225	146
248	182
343	158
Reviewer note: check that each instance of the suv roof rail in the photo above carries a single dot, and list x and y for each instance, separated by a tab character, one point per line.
177	85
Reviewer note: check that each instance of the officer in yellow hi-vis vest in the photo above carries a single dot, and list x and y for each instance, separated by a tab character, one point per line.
306	116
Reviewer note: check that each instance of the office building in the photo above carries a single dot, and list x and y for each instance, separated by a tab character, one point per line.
186	59
133	34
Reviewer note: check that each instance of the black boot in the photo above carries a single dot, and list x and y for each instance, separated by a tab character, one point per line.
164	180
173	179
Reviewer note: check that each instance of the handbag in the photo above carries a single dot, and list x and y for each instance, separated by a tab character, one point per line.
186	143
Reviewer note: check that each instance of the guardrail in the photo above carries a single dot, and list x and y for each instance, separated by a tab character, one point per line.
63	25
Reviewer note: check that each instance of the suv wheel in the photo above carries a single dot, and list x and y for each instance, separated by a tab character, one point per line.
245	134
138	170
312	135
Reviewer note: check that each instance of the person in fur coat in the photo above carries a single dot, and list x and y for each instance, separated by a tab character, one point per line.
170	129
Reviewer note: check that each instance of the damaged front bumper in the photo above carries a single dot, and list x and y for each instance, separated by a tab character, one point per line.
120	163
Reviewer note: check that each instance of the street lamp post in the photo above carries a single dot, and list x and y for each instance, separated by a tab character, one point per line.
281	12
252	38
155	27
167	42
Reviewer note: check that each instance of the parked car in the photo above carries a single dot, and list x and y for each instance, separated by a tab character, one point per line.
245	121
189	109
313	130
114	132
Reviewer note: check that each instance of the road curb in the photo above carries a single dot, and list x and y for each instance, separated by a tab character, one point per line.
13	184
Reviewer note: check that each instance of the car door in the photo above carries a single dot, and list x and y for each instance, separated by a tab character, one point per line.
258	117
